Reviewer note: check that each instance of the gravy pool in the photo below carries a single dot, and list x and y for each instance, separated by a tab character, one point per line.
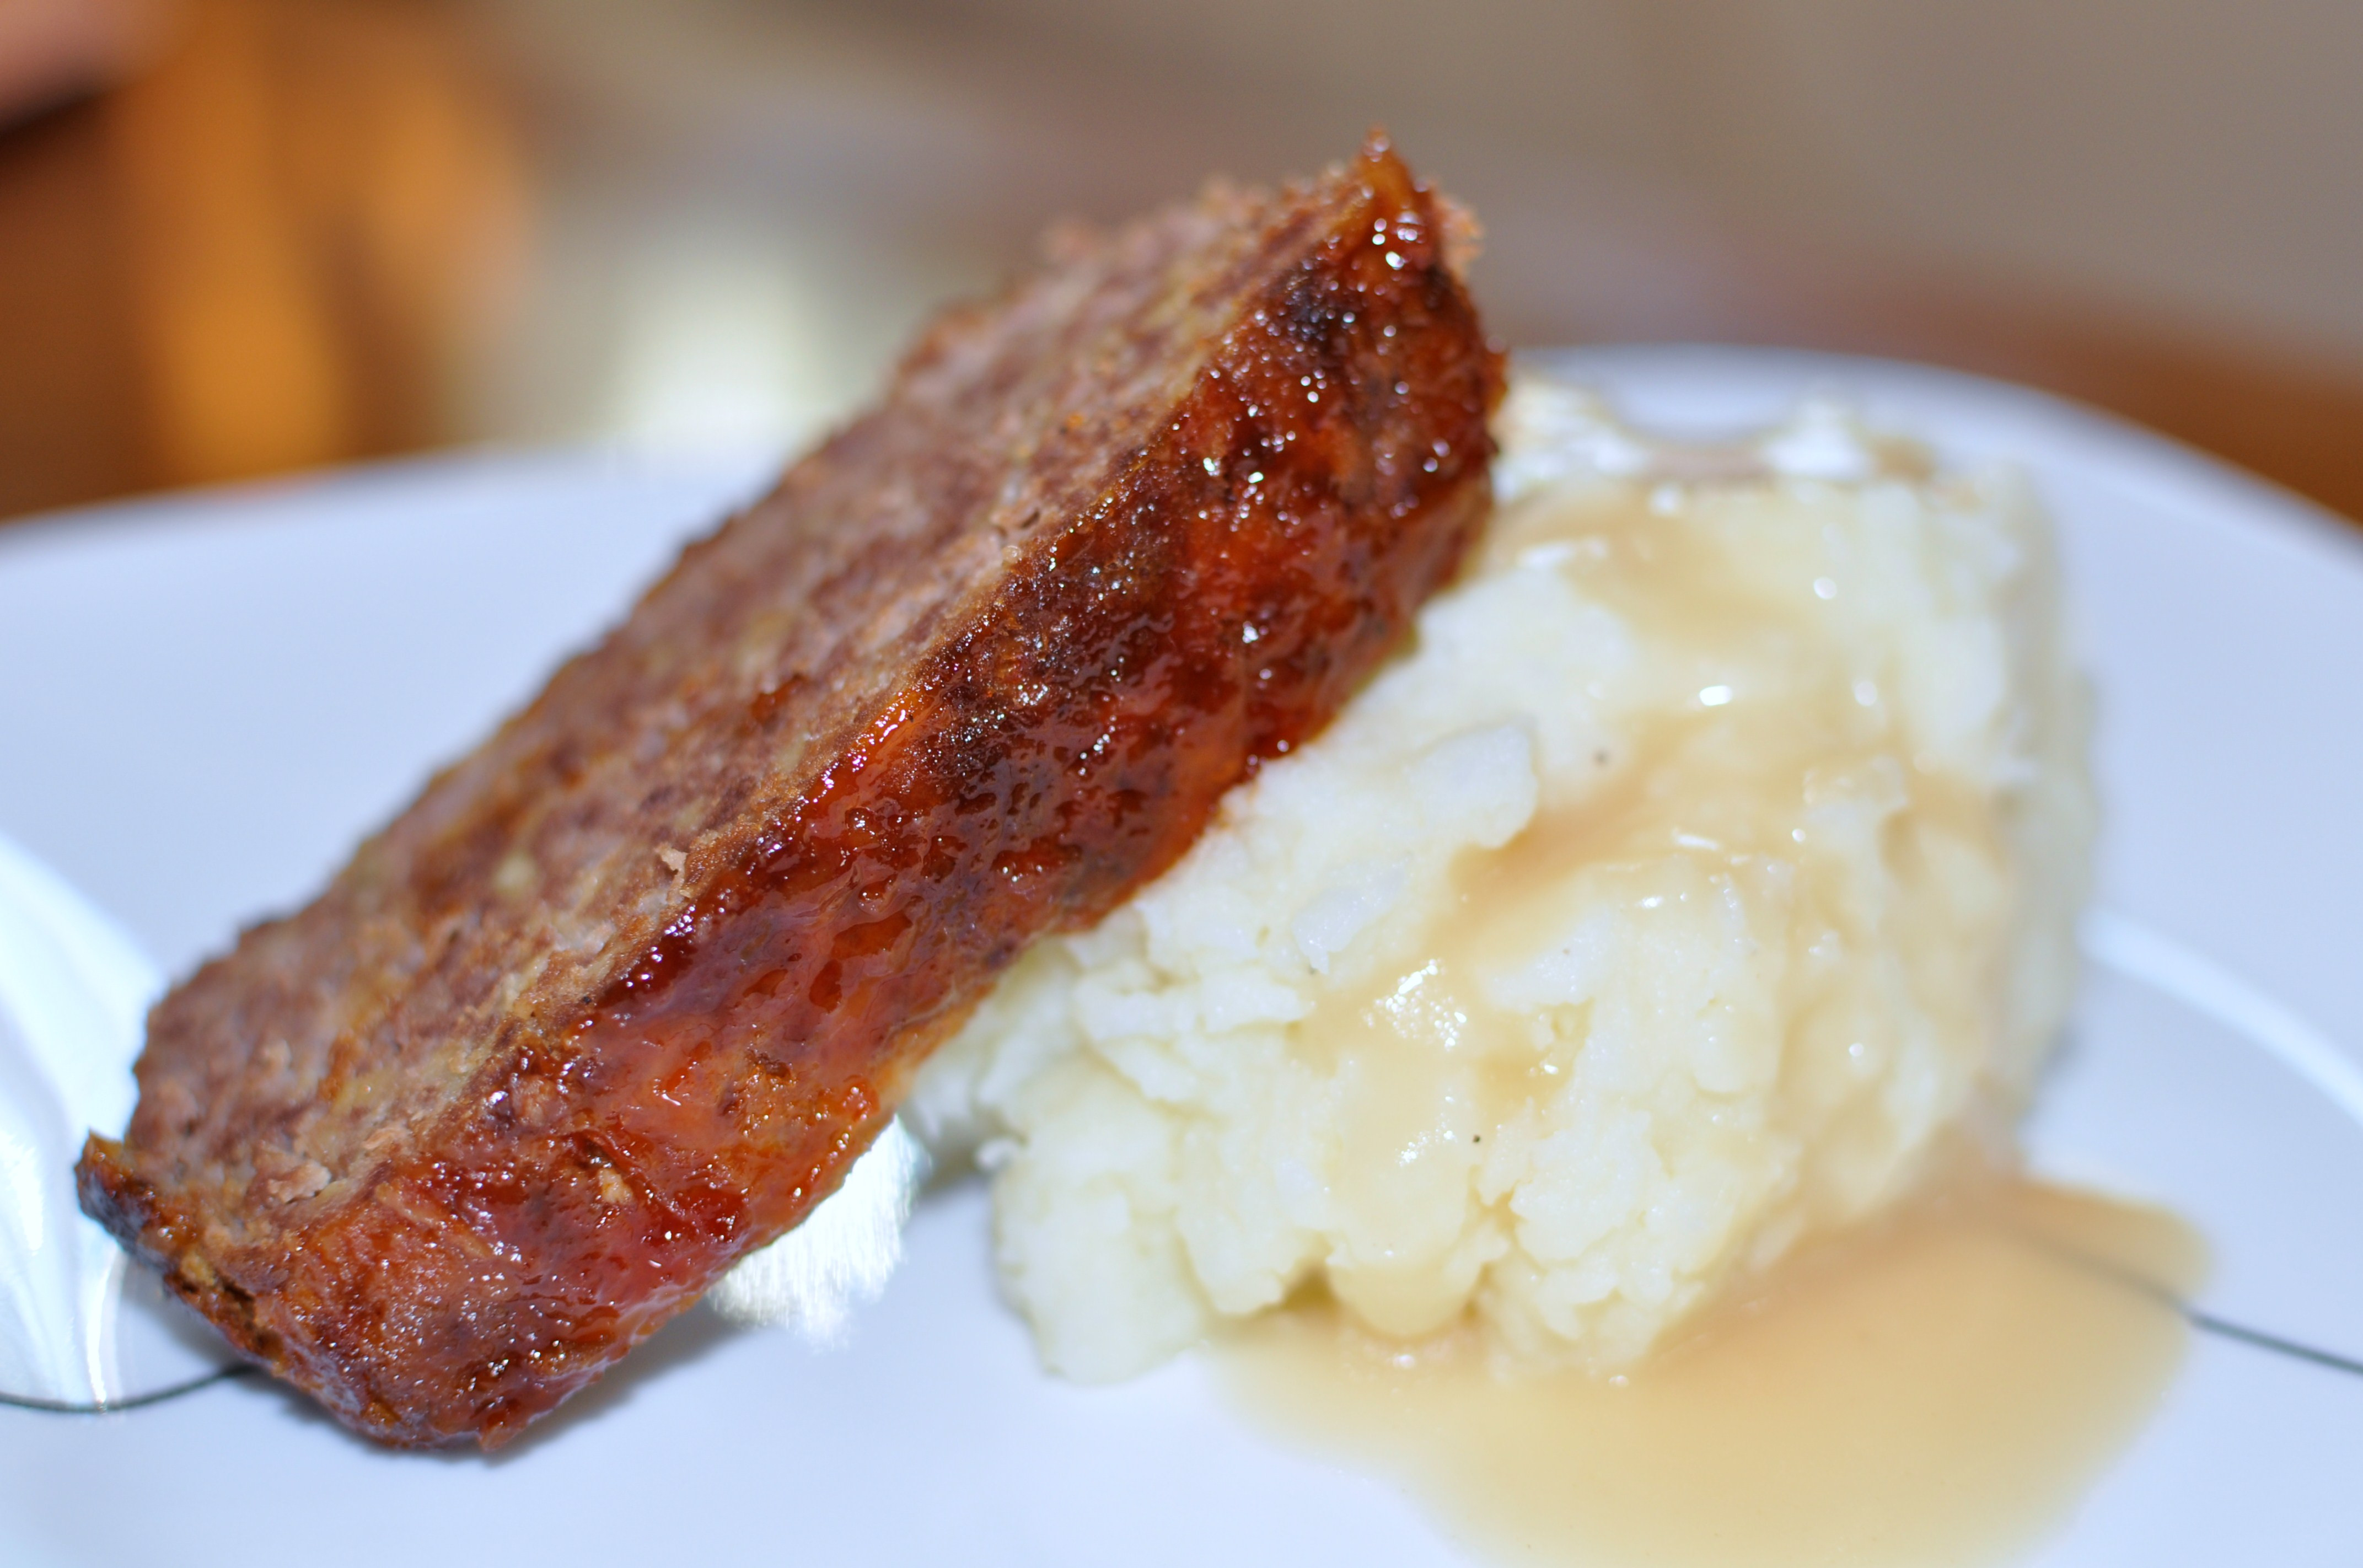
1939	1392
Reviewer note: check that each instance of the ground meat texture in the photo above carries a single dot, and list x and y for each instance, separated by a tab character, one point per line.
620	997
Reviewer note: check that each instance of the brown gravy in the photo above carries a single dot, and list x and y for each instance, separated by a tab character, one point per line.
1940	1392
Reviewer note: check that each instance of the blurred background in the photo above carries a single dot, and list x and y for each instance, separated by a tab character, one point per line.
247	237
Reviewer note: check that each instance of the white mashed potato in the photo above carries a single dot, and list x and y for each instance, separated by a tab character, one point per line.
1710	856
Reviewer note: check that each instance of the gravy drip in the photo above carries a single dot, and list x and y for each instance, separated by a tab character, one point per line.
1938	1392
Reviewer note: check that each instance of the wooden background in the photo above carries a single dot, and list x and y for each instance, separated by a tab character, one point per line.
246	236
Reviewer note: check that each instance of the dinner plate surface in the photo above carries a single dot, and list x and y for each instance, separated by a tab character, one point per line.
206	700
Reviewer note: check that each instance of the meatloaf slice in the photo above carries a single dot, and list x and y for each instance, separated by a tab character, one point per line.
623	993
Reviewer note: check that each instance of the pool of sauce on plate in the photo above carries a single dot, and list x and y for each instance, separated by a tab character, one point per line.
1940	1391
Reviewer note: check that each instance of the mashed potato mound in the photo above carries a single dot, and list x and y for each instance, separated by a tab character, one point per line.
1709	858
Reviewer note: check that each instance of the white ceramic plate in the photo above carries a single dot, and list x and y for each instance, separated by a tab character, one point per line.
204	702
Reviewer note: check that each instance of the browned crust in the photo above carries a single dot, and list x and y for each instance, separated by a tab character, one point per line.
622	994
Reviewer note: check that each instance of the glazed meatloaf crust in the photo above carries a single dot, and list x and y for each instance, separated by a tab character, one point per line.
620	997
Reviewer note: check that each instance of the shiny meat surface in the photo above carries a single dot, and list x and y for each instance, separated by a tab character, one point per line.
621	996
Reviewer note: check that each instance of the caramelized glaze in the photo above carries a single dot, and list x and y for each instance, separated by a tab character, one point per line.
1065	721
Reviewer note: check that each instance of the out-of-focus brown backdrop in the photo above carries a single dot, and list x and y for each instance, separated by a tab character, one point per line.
241	237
